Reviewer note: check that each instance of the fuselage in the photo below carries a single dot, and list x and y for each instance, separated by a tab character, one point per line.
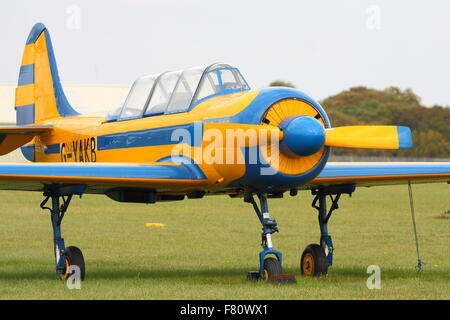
92	138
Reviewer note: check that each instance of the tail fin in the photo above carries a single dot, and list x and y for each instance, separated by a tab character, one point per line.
39	94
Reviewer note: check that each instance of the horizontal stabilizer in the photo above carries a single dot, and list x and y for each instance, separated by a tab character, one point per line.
13	137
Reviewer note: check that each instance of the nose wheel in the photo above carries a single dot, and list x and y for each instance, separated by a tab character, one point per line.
268	266
272	267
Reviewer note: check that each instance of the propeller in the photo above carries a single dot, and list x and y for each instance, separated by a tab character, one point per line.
305	135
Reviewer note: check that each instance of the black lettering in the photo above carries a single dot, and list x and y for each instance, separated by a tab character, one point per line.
93	153
82	150
75	150
86	149
81	159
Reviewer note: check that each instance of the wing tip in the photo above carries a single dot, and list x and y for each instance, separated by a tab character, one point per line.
404	138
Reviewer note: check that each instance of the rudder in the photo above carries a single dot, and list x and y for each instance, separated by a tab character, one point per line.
39	94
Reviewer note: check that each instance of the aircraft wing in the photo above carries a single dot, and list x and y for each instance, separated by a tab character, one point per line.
98	177
165	176
382	173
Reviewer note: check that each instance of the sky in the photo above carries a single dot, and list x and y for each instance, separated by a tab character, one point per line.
323	47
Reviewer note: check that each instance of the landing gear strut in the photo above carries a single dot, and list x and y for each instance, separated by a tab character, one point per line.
316	258
270	266
69	259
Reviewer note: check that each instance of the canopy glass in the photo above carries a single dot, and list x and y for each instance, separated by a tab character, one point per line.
178	91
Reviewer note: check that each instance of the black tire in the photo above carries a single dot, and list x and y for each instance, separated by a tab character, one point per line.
74	256
313	262
271	267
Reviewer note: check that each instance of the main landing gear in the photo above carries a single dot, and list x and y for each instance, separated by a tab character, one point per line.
68	260
317	258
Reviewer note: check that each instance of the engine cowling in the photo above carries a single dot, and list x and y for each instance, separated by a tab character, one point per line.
303	126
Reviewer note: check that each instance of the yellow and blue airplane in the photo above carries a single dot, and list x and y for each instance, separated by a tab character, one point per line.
280	142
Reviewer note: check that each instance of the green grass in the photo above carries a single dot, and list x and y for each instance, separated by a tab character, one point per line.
208	245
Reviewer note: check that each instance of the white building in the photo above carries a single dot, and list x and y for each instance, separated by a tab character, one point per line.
84	98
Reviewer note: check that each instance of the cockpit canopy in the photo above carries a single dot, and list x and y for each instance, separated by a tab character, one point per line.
178	91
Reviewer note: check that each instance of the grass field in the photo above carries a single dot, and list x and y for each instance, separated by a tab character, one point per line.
208	245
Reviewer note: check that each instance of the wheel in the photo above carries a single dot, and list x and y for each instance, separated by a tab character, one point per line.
313	262
74	256
271	267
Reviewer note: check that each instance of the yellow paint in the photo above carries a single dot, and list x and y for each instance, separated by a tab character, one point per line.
28	54
225	106
369	137
222	173
14	141
45	101
24	95
240	135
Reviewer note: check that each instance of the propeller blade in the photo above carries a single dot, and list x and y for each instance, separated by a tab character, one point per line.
369	137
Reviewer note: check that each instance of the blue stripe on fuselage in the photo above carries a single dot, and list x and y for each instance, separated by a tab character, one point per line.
52	148
150	137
